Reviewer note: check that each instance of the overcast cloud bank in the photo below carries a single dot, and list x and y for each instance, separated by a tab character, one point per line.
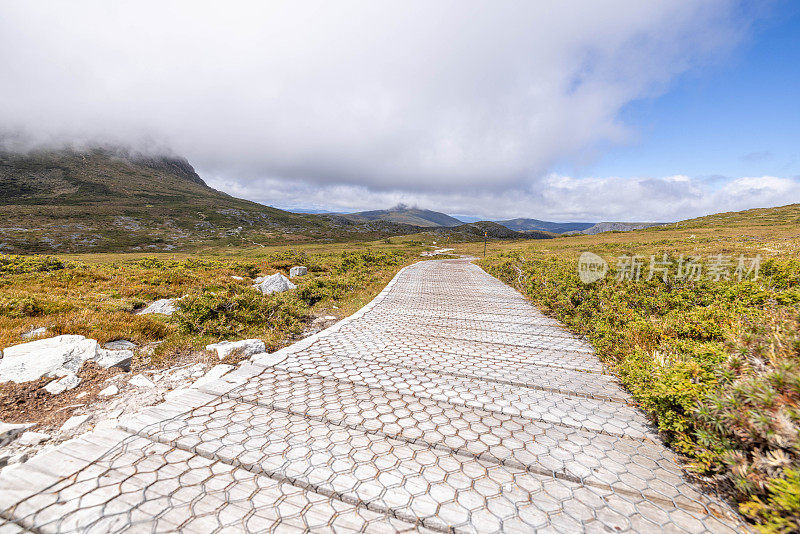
460	106
556	197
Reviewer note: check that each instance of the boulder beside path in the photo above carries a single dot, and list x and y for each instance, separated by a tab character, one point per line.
276	283
58	356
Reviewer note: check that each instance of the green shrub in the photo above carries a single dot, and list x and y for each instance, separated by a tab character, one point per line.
779	512
324	289
234	311
20	307
10	264
368	260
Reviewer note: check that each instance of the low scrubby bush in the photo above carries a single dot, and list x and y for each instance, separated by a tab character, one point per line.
11	264
368	260
235	311
20	307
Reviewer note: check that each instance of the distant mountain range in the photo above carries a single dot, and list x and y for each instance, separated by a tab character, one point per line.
115	200
526	225
617	227
433	219
402	214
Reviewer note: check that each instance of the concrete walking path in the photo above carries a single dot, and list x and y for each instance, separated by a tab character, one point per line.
447	404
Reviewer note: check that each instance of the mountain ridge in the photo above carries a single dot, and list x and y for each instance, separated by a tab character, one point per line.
608	226
103	200
522	224
407	215
110	200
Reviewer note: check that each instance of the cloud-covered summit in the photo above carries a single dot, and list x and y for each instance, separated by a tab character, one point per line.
423	99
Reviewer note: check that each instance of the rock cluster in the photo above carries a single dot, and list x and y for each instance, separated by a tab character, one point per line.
60	356
122	395
9	431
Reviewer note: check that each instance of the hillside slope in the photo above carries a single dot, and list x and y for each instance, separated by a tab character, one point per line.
524	225
111	200
618	227
404	215
478	230
781	215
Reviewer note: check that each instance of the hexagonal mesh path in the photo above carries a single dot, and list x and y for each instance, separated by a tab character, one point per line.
448	404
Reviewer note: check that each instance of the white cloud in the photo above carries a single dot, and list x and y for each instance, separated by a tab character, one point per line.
459	105
417	96
556	197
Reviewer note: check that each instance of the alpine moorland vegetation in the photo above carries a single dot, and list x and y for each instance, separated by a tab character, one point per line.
714	363
99	298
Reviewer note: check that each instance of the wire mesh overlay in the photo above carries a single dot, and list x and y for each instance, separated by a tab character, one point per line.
448	404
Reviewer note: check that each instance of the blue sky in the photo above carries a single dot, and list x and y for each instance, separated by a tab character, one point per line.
571	110
737	116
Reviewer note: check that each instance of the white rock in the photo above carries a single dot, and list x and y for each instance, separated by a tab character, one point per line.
63	384
35	332
141	381
164	306
114	414
325	319
121	344
214	373
106	424
277	283
114	358
175	393
30	438
54	356
237	277
245	347
179	374
81	394
298	270
109	391
10	431
197	369
74	422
